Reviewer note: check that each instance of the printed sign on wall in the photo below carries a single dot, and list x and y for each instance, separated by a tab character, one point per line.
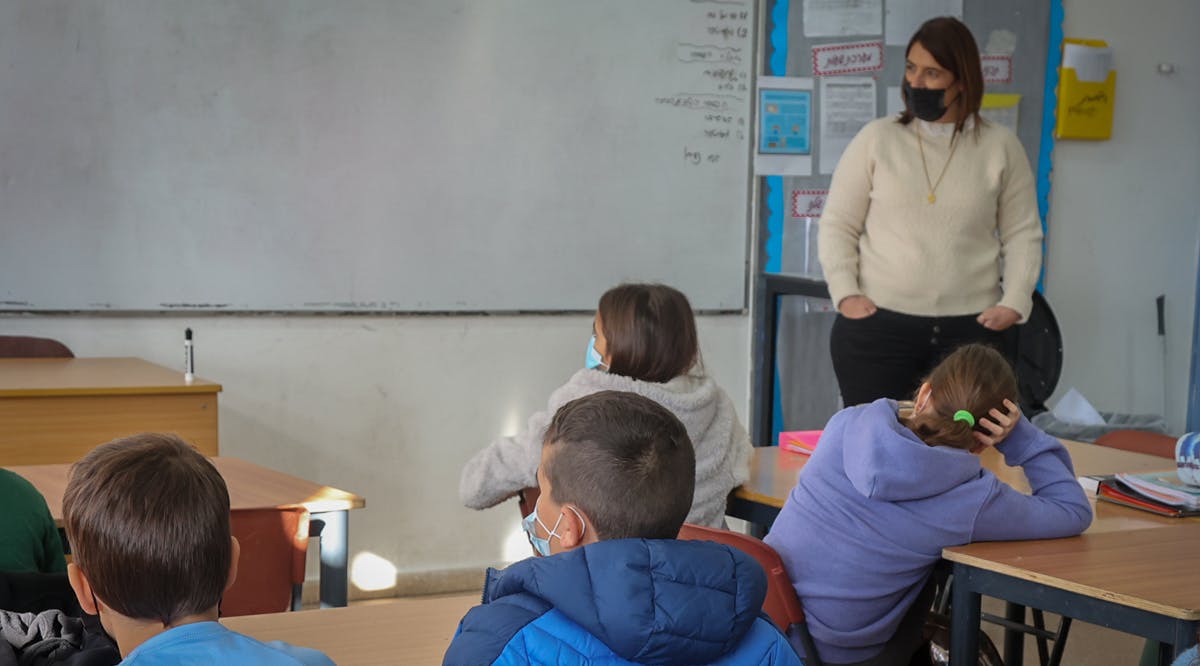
808	203
997	69
829	59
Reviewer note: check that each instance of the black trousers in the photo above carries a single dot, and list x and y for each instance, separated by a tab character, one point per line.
887	354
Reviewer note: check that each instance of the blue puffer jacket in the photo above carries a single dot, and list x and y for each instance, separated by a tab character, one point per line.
624	601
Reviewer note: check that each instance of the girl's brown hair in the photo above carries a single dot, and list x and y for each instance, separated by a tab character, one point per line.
953	46
974	377
650	331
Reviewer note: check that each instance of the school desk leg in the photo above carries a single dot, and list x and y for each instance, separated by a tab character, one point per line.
334	545
1014	641
1185	638
964	620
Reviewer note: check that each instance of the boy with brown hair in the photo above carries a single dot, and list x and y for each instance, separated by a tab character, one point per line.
148	521
614	586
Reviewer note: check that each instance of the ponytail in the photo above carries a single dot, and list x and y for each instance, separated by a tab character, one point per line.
970	382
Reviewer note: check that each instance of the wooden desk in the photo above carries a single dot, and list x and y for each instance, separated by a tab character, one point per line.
254	487
773	474
405	631
55	410
1141	582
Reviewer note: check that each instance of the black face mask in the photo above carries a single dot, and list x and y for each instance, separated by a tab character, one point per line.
925	103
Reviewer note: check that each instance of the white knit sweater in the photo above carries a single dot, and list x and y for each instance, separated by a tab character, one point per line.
880	237
722	447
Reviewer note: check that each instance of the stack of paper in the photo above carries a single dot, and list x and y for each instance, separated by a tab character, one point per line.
1091	63
1163	487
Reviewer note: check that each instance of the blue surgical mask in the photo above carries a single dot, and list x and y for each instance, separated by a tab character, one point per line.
542	546
593	360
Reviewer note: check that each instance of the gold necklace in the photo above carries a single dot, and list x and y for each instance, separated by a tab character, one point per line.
924	167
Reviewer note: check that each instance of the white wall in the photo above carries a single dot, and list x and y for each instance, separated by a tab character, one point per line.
386	407
1124	223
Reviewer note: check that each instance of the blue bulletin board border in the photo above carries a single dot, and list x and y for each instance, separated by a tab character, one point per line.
776	66
775	198
1049	104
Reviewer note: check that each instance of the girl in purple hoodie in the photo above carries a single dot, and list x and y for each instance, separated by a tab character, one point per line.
885	492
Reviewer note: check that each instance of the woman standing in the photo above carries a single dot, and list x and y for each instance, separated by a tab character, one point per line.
930	238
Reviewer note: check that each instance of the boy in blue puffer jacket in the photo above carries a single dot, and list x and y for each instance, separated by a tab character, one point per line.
616	480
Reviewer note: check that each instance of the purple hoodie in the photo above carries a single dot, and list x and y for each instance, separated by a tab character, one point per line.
861	531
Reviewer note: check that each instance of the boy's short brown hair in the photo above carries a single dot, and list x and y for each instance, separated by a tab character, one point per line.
624	460
147	518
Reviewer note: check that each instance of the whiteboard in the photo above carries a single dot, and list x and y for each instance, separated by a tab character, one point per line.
429	155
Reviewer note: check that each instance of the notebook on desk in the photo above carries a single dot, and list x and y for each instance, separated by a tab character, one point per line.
803	442
1110	488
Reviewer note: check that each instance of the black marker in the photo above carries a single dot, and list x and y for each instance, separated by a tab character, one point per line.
189	359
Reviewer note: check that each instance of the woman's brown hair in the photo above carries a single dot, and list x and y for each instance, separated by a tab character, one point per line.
953	46
973	377
650	331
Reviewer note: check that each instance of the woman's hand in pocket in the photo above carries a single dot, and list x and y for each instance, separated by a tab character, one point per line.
997	317
856	307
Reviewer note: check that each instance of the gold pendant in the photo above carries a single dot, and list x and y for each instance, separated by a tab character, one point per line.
932	198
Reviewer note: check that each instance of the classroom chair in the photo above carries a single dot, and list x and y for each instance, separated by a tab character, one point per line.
1139	441
1036	350
23	346
781	604
270	576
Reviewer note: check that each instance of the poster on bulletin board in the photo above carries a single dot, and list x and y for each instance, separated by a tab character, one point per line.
784	142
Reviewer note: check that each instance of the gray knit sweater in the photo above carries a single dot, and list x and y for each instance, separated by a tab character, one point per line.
722	447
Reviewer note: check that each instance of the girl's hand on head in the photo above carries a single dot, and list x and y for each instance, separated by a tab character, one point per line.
856	307
998	425
997	317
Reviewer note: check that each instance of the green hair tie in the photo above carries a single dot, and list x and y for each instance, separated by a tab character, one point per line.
964	415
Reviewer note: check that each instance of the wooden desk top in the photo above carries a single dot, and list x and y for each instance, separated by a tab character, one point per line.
1153	570
773	474
403	631
41	377
250	487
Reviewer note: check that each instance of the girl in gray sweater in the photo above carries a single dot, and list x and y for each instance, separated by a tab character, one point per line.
644	341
